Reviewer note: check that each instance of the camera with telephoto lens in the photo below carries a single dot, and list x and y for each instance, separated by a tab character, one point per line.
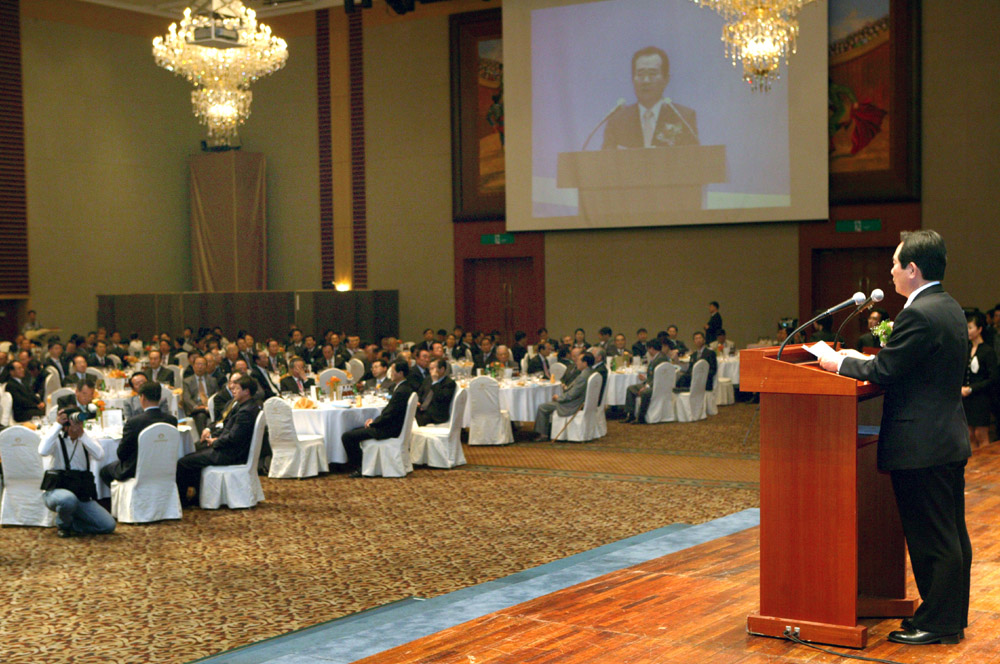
74	414
788	324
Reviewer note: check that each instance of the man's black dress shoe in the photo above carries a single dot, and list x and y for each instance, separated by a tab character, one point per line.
356	473
65	532
907	626
917	637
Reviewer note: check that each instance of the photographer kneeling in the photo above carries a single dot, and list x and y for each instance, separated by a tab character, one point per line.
69	485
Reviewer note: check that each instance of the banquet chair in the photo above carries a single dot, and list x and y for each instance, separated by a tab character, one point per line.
690	405
524	365
152	494
211	407
557	370
440	445
357	369
178	374
488	423
115	360
182	360
6	408
582	425
235	486
390	457
22	503
53	381
52	401
96	373
724	392
293	455
661	401
326	374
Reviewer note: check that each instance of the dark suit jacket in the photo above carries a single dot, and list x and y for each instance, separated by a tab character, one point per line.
714	325
921	369
602	369
288	384
105	363
161	375
263	384
128	450
439	408
189	397
537	365
868	340
624	128
65	401
58	365
639	349
233	444
221	399
708	355
25	401
372	384
480	361
319	362
390	423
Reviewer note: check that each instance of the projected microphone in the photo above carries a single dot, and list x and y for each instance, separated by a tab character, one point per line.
857	299
876	296
678	113
618	104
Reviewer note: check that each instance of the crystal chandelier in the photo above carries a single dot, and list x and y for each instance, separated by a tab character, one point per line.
221	49
760	34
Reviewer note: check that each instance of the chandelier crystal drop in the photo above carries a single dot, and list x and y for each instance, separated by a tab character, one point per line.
221	51
759	34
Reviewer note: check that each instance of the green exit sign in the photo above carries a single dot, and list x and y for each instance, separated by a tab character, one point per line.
859	225
497	238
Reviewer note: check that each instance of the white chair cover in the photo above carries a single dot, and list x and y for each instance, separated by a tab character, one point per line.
178	374
557	369
292	455
583	426
723	392
357	369
52	382
182	360
691	405
326	374
115	360
211	408
390	457
235	486
152	494
440	445
96	373
524	365
488	424
6	408
661	401
22	503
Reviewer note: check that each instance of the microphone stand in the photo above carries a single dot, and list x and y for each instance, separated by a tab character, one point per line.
828	312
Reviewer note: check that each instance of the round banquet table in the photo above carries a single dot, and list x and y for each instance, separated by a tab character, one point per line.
618	383
109	441
521	401
331	422
117	399
729	367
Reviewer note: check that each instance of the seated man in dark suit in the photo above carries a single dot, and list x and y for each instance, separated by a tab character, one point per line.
26	402
150	394
328	359
198	389
571	370
487	354
387	425
260	372
655	121
78	374
868	339
297	383
223	400
83	396
379	382
435	408
539	363
100	358
700	352
157	372
231	446
133	406
55	359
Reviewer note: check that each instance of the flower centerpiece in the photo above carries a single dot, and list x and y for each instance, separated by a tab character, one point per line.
882	331
334	387
497	369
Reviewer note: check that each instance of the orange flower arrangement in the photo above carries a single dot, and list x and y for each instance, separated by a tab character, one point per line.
116	373
99	403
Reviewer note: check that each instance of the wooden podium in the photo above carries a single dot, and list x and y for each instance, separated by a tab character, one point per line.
831	543
641	182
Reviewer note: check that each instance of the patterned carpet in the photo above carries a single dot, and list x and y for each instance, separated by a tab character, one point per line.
323	548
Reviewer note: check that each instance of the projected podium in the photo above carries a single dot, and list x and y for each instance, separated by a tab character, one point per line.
831	544
641	182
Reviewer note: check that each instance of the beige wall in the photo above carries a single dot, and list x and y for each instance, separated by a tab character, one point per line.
107	135
961	143
408	154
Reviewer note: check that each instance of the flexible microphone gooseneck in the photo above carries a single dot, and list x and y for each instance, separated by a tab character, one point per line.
618	104
876	296
857	300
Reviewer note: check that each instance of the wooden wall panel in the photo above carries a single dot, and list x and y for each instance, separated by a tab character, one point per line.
13	192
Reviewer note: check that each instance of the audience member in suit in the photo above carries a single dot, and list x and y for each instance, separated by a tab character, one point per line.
419	377
150	395
78	373
654	121
157	372
387	425
487	354
297	383
188	371
435	408
568	402
340	353
579	339
379	382
674	342
310	351
639	347
229	360
328	359
26	402
295	343
4	367
520	347
643	391
619	347
570	360
55	359
714	323
82	396
468	342
600	367
700	352
868	339
437	353
503	357
259	372
276	359
604	338
214	368
426	342
923	439
198	389
230	447
133	405
539	363
223	399
100	358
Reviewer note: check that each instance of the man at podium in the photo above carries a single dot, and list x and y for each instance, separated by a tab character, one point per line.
923	441
655	121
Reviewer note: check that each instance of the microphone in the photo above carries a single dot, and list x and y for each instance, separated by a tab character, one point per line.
876	296
618	104
857	299
678	114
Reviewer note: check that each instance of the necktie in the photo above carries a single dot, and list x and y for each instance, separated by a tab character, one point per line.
545	367
202	394
647	128
299	383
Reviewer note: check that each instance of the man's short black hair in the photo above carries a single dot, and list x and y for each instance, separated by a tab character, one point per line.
137	373
88	381
721	332
655	344
698	334
588	359
401	367
34	365
151	391
246	383
540	330
926	250
714	304
653	50
641	330
605	331
520	334
440	363
54	343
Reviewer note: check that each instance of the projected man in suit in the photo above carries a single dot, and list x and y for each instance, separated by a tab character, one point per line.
655	121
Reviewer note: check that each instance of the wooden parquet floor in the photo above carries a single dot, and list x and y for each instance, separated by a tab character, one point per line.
691	607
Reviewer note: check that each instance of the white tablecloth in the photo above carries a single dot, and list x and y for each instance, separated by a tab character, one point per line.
729	367
521	401
109	441
618	384
331	423
118	399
